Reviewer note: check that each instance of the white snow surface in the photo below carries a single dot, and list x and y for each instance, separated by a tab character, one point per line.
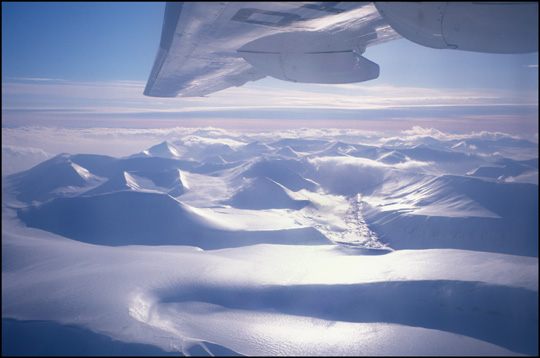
287	245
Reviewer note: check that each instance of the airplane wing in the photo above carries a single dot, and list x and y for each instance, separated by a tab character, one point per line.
209	46
206	47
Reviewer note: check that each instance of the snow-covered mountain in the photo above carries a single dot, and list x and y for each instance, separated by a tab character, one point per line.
223	243
287	172
147	218
56	177
456	212
163	150
264	193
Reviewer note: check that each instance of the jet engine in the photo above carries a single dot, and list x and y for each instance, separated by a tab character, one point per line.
493	27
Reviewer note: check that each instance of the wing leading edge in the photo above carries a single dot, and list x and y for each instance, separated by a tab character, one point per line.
170	20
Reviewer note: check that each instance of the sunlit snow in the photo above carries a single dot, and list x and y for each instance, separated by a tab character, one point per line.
215	242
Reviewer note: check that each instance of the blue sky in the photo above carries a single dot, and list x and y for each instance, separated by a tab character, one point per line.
77	64
80	41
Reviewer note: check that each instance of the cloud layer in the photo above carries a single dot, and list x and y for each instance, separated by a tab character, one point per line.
268	103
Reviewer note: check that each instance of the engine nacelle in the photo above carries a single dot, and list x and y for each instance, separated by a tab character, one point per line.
493	27
310	57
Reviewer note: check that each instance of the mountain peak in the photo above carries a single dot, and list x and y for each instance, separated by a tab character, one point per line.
164	149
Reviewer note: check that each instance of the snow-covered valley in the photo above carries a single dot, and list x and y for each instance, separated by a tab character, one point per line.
215	242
